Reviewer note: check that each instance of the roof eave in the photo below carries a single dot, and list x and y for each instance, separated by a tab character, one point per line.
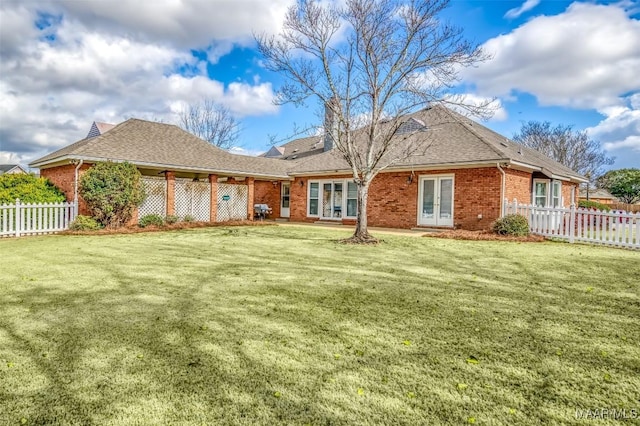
160	166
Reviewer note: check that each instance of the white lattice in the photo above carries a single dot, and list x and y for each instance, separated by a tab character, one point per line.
155	201
193	199
232	202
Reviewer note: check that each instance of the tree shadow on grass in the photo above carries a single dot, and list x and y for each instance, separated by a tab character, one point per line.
219	342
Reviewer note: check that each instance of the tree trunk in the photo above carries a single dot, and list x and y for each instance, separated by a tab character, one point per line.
361	234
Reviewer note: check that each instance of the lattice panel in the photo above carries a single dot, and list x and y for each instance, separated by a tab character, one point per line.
155	202
232	202
193	199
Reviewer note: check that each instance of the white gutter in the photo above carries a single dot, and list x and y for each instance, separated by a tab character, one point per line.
502	189
75	188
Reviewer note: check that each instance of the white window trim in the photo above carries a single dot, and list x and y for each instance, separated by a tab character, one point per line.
549	197
345	191
421	178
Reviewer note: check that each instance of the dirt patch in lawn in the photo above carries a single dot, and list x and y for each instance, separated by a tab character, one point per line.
460	234
135	229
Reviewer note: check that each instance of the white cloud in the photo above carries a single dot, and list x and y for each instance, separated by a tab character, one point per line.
621	127
93	61
517	11
586	57
470	99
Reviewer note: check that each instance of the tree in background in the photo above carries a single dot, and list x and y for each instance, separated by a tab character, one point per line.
570	147
29	189
369	62
112	192
212	122
623	184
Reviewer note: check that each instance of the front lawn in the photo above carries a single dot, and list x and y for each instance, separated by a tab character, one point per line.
272	325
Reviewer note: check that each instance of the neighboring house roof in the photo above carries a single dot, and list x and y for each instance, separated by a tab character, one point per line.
596	193
159	145
448	138
98	128
11	168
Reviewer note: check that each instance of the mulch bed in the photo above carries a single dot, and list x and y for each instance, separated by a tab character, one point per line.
460	234
135	229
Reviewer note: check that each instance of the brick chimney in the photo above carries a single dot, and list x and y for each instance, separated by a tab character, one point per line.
330	124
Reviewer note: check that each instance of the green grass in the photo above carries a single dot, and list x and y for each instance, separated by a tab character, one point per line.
282	325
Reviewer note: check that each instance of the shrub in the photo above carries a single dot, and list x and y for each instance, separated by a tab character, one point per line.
189	218
512	224
593	205
151	219
171	219
112	192
29	188
84	223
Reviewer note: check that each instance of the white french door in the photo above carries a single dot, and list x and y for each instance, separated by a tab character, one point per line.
285	199
331	200
435	201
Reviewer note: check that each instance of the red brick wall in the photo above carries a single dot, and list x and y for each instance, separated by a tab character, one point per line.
566	193
265	192
518	185
393	202
64	178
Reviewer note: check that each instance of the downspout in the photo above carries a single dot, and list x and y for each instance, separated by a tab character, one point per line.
502	189
75	188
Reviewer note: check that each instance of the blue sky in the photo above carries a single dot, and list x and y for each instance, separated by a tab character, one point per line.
64	64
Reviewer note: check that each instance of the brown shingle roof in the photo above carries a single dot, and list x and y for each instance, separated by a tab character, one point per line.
449	138
146	143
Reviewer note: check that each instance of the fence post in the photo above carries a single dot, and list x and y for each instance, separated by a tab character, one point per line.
505	205
515	206
18	214
572	223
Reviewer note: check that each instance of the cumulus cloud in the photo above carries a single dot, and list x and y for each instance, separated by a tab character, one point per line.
517	11
65	64
621	127
586	57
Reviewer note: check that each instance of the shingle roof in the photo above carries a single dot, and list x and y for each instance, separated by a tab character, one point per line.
8	167
98	128
597	193
449	138
163	145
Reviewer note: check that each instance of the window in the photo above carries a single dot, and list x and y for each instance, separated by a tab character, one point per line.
314	193
540	192
547	193
556	196
328	199
352	199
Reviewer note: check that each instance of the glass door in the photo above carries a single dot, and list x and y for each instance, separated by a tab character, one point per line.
285	199
332	200
435	201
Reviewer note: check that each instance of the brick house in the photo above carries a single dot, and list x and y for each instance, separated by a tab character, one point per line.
456	175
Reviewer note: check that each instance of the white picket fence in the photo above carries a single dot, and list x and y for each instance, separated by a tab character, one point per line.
26	219
578	224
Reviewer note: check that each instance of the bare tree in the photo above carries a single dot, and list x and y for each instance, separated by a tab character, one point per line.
377	59
212	122
570	147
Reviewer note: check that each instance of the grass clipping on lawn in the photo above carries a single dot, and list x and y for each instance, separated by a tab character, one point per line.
282	325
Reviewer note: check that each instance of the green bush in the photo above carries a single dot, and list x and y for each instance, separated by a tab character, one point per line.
112	192
171	219
29	188
151	219
84	223
189	218
512	224
584	204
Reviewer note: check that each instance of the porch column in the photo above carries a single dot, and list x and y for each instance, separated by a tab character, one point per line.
171	192
213	204
250	198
